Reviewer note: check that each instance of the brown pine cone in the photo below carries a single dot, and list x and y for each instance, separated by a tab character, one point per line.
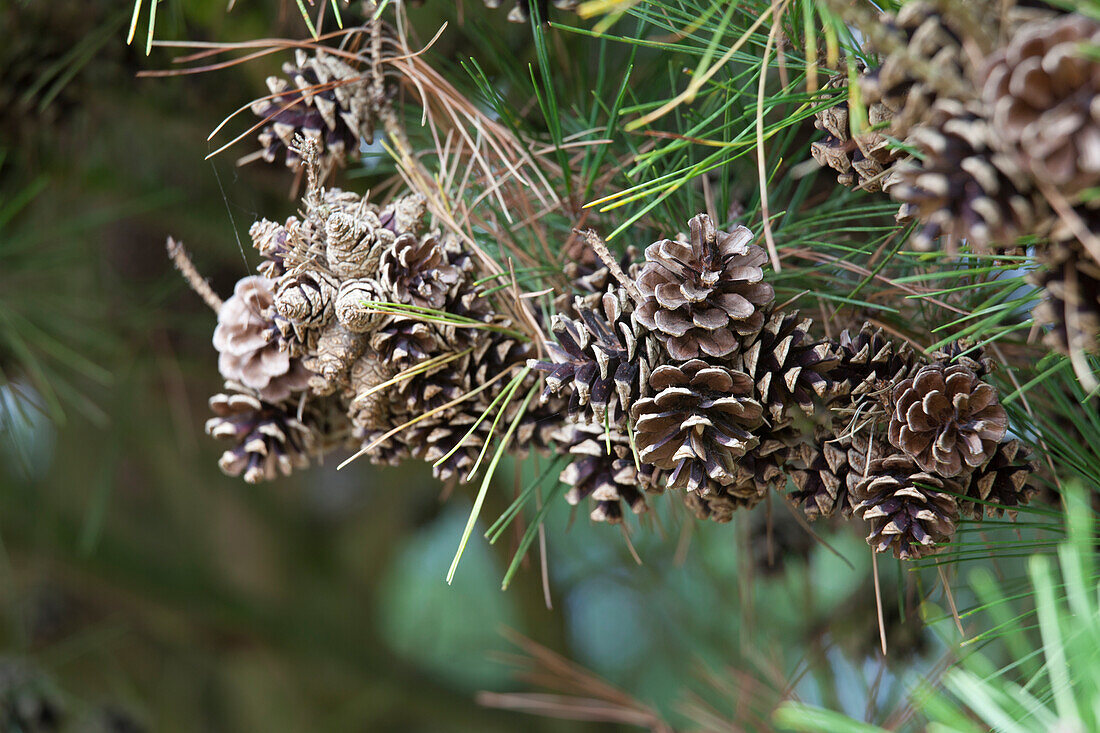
356	305
926	61
702	296
946	419
1070	280
416	270
963	354
833	467
337	349
1001	482
764	467
869	361
789	368
268	439
718	503
697	424
963	188
603	358
1042	90
325	100
354	243
909	510
246	353
270	240
861	161
611	480
405	341
306	298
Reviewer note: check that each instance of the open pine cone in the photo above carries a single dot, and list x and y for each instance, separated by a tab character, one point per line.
1043	89
325	100
268	439
604	358
1001	482
869	360
1070	280
861	161
612	481
702	296
964	188
718	503
909	510
415	270
789	368
246	353
833	465
697	424
946	419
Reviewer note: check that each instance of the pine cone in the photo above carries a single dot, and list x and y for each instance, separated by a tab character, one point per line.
354	243
909	510
833	467
716	503
416	271
610	480
928	61
326	100
1070	280
946	419
869	361
963	189
521	11
697	424
246	353
405	341
603	357
337	349
862	161
1042	89
764	466
701	297
355	305
1001	481
788	367
369	406
306	298
270	240
268	439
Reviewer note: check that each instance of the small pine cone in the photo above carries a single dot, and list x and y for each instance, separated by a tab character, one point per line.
946	419
929	61
604	359
267	438
298	341
369	407
717	503
697	424
456	443
417	271
337	349
611	480
246	353
764	466
354	242
702	296
1043	89
961	353
306	298
588	280
408	213
325	100
405	341
354	309
833	466
1070	280
270	240
861	161
963	189
1002	482
788	367
910	511
869	361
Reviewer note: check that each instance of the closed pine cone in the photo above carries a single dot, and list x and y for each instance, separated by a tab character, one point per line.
697	424
833	467
246	353
702	296
870	360
910	511
610	480
306	298
946	419
267	438
789	368
861	161
603	358
1044	92
1002	482
325	100
1070	279
964	188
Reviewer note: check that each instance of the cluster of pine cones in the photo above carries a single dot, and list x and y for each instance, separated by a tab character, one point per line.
999	102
